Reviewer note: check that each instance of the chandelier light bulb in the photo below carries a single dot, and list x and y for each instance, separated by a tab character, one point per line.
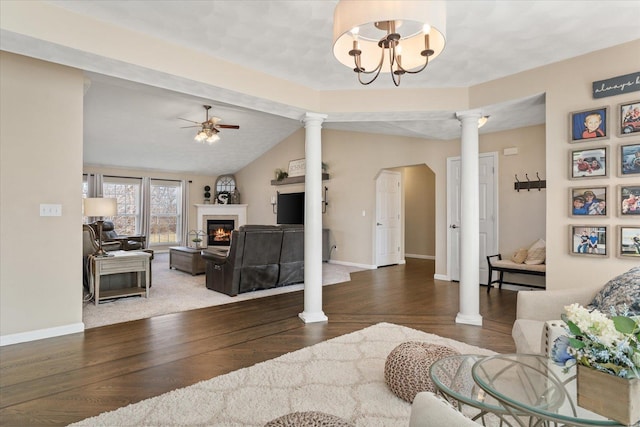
426	28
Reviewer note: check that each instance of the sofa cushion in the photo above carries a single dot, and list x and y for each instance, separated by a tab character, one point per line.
527	335
620	292
519	256
429	410
536	253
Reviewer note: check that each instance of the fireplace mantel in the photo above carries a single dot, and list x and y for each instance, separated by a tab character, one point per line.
239	212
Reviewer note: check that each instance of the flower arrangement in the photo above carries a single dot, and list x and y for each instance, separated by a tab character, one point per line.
610	344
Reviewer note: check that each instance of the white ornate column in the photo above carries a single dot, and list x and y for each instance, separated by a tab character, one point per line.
469	220
313	220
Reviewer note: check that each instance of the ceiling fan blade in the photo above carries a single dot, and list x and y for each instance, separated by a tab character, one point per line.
194	126
187	120
227	126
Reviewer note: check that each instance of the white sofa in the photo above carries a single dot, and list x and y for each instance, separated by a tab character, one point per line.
534	308
621	293
428	410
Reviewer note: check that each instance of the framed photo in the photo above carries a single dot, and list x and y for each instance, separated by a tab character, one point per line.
588	201
589	163
588	240
629	200
628	241
628	118
297	167
589	125
629	160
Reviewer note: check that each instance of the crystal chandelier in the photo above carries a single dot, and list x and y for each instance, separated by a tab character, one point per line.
396	37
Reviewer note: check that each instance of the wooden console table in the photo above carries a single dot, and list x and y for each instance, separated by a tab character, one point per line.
120	262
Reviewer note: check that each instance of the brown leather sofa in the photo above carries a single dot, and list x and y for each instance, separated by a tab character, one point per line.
259	257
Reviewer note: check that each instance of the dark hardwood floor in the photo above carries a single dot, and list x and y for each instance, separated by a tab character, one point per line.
61	380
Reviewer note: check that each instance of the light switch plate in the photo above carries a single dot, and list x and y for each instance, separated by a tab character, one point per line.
50	209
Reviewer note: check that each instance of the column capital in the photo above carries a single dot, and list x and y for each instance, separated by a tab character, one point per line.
469	114
313	118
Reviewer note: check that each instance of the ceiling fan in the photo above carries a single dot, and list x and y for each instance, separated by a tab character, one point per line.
209	128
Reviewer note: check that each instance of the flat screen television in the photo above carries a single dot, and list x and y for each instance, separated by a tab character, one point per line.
290	208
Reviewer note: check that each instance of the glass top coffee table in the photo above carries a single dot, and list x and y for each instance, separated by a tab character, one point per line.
453	380
536	386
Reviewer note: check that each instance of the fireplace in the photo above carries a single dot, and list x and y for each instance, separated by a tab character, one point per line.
219	231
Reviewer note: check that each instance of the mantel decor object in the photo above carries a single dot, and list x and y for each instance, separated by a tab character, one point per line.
594	387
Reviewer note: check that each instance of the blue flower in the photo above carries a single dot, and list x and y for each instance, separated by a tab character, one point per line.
559	353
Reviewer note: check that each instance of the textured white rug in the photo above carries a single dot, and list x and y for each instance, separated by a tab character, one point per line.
343	376
173	291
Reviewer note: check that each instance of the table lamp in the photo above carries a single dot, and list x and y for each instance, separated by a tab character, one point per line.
99	207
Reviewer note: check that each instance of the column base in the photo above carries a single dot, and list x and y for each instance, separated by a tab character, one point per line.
313	317
469	319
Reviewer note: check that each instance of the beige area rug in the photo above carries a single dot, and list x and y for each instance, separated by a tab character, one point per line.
173	291
343	376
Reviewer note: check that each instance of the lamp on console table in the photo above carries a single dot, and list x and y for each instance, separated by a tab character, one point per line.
99	207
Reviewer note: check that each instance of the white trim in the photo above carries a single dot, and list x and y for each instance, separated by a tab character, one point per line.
444	277
469	319
353	264
419	256
40	334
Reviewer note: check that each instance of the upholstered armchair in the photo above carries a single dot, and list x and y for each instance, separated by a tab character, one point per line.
127	243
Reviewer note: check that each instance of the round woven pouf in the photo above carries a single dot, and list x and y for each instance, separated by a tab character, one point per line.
406	370
309	419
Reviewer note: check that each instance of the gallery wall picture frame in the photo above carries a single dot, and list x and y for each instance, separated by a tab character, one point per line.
589	163
589	201
589	240
629	200
589	125
629	160
628	120
628	241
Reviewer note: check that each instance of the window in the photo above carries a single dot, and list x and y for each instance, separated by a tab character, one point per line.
127	193
165	222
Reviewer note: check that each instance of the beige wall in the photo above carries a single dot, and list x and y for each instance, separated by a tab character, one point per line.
567	86
40	162
196	187
419	193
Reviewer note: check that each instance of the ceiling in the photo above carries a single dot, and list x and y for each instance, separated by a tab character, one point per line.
136	126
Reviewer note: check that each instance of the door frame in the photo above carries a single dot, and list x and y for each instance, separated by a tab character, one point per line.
450	198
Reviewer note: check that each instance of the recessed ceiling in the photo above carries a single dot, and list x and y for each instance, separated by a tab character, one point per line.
137	126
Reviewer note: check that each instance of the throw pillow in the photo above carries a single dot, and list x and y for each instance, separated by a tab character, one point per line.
538	244
536	256
519	256
620	292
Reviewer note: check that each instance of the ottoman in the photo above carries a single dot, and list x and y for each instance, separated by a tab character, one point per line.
406	370
309	419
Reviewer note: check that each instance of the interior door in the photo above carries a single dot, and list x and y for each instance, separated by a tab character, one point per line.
388	221
488	214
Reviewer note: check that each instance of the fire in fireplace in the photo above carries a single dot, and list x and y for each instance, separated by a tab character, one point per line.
219	231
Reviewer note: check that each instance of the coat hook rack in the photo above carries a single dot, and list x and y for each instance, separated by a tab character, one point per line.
528	185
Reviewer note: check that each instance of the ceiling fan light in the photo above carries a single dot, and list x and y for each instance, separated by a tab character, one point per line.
201	136
213	138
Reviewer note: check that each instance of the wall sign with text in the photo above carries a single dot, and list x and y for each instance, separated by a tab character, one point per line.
617	85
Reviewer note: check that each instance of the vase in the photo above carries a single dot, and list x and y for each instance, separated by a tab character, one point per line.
608	395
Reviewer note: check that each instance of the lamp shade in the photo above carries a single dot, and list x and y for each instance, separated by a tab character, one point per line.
99	206
410	17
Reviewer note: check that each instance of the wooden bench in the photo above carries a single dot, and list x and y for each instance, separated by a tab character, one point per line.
496	263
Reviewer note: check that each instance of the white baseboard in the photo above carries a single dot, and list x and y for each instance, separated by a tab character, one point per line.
419	256
353	264
41	334
444	277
